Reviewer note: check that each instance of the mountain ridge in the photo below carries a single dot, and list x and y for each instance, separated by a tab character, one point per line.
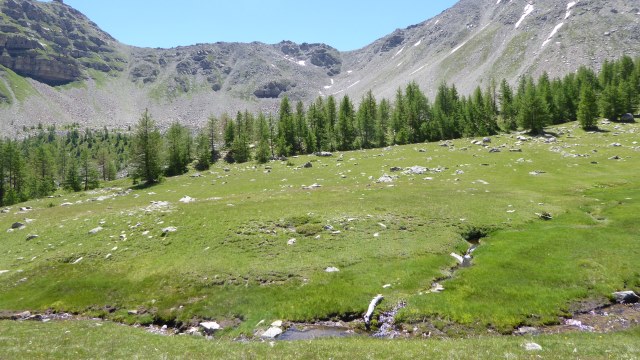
108	83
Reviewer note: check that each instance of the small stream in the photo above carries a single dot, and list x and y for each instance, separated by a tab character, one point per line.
312	332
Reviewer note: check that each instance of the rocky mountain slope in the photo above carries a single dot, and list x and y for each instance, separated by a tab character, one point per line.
56	66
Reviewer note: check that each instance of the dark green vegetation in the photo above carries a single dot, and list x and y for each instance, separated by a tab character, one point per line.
92	339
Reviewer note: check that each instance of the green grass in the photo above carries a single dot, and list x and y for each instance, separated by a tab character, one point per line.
19	85
229	260
91	339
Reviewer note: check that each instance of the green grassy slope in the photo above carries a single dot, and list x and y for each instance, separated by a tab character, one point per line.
229	259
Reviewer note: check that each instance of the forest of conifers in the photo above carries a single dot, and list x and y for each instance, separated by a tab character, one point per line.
50	159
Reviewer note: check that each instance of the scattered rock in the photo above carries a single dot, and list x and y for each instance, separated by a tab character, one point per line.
77	260
168	230
187	200
515	150
32	237
132	312
395	169
544	216
332	269
436	288
66	204
627	118
615	157
210	326
385	179
416	170
272	333
531	346
324	154
95	230
196	175
537	172
486	140
527	330
291	242
17	225
494	150
277	323
615	145
626	297
4	271
308	165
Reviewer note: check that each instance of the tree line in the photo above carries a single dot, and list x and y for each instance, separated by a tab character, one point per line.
79	160
330	124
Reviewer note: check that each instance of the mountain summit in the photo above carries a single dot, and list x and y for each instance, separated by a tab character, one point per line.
56	66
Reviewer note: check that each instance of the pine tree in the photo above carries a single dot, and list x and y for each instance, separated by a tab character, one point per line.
89	176
533	114
178	144
366	116
146	160
609	102
72	179
286	129
507	106
329	141
346	135
263	150
240	148
229	131
587	108
382	124
203	151
212	136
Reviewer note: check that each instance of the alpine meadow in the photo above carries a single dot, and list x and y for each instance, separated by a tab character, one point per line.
463	188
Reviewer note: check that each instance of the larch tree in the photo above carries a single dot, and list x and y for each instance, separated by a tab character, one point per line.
146	150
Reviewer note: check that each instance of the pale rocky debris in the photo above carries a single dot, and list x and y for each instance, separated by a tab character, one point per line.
95	230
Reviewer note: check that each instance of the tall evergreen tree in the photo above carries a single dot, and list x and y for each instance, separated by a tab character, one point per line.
89	176
331	120
263	151
212	136
346	133
146	160
366	116
507	106
382	124
587	108
533	114
240	148
178	144
286	129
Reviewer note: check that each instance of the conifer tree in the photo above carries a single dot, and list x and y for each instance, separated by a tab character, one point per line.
263	150
346	134
212	136
587	108
533	114
366	116
178	144
146	160
203	151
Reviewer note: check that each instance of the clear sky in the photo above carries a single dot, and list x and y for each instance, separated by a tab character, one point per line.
344	24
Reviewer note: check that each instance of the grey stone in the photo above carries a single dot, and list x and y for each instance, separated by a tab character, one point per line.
526	330
331	269
627	118
626	297
17	225
31	237
272	333
210	326
531	346
95	230
308	165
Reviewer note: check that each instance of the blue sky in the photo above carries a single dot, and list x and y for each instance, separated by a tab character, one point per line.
346	25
